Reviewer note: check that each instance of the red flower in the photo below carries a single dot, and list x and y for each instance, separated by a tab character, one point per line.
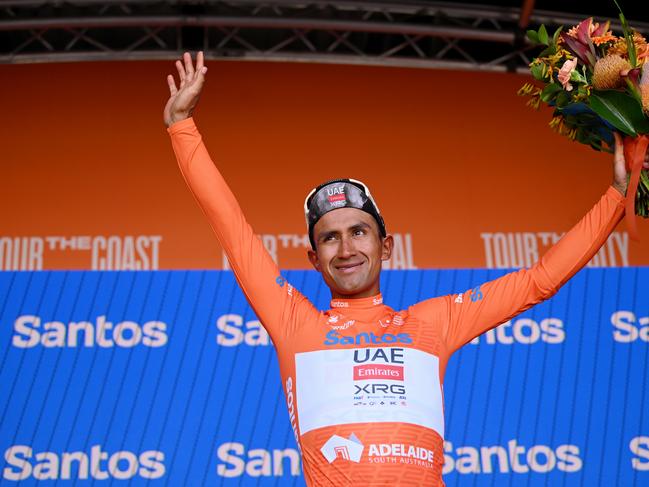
580	40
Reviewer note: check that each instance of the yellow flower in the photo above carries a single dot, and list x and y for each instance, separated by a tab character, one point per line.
558	124
606	75
528	89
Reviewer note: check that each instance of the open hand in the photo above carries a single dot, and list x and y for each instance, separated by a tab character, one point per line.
620	173
183	99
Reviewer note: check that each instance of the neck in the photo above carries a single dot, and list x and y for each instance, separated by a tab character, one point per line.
372	291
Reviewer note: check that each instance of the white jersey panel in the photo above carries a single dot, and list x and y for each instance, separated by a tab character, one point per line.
368	385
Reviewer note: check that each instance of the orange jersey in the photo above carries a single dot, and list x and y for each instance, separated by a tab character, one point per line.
363	382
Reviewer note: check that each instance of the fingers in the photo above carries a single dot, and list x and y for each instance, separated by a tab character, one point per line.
172	85
181	73
187	74
199	80
189	66
201	69
619	148
199	62
618	139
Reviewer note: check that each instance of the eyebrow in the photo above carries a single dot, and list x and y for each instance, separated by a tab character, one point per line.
360	226
356	226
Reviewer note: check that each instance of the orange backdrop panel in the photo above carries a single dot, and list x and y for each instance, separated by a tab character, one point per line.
463	171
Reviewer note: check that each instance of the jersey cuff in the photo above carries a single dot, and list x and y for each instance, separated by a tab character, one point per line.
611	191
174	128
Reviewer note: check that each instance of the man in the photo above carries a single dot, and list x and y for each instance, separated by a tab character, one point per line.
363	382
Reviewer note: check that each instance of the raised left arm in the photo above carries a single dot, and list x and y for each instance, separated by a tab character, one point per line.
497	301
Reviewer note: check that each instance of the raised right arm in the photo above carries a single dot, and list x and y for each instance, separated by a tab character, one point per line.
275	302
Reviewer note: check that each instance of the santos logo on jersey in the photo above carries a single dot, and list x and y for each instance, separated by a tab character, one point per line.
334	338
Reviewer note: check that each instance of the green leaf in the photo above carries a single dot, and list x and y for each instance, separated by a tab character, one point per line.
633	89
582	89
563	99
557	33
538	71
550	91
548	51
628	35
543	35
582	137
620	110
577	77
533	36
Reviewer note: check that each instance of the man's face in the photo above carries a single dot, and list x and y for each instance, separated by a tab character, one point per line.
349	251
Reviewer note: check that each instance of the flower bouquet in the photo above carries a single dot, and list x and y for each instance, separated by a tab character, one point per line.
597	83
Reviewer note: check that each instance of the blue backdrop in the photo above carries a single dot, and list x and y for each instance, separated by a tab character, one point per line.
164	378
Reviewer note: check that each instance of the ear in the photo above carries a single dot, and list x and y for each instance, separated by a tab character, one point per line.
386	248
313	258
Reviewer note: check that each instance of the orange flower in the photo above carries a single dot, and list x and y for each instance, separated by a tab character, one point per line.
641	47
643	54
603	39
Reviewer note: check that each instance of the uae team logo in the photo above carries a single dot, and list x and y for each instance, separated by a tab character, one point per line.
336	196
346	448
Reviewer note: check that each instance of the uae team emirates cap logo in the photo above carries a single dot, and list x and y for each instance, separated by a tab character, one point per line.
336	196
338	447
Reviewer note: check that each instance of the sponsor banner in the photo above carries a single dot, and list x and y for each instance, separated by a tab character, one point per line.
387	372
102	191
511	458
23	463
96	252
522	249
168	378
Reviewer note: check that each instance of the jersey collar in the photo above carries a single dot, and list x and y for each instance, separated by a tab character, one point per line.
360	303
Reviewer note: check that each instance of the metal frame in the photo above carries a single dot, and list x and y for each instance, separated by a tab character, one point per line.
411	34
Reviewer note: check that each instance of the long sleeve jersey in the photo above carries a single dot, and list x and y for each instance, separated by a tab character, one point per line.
363	382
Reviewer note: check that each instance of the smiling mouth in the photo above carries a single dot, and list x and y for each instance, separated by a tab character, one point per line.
349	267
